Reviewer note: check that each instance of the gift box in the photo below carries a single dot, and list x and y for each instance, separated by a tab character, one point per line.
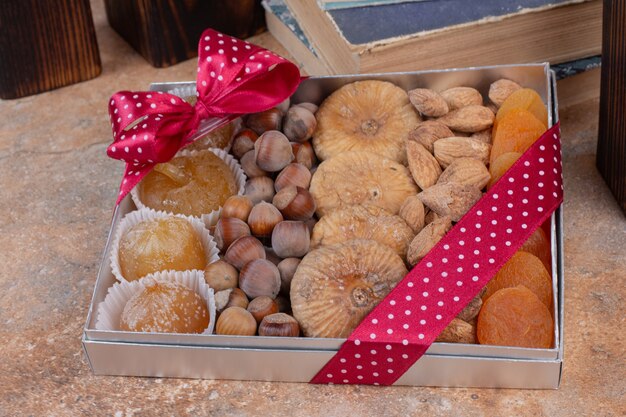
301	359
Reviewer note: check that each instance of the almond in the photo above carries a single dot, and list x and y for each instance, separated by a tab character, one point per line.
428	102
469	119
447	150
458	331
471	310
458	97
429	132
412	212
501	90
467	171
426	239
423	166
430	216
450	199
483	136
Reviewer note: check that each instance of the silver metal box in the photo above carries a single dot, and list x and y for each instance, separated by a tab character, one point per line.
299	359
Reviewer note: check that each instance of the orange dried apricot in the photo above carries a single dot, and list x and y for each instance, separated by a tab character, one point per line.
516	132
514	317
523	269
525	99
539	245
501	165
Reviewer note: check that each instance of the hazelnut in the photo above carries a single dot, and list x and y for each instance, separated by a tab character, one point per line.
299	124
291	239
293	174
221	275
243	142
236	321
287	268
259	189
273	151
221	299
260	277
262	306
272	257
243	250
266	120
249	166
284	106
229	229
304	154
237	206
262	219
309	106
279	324
237	298
295	203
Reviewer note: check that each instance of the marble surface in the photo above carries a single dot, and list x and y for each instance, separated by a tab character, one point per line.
57	190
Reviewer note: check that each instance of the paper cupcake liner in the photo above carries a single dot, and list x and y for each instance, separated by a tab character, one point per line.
209	219
110	310
208	244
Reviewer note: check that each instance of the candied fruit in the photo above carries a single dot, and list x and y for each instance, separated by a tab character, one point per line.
514	317
165	307
516	132
523	269
525	99
158	245
192	185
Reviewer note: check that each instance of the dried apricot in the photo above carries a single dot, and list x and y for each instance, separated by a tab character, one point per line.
525	99
539	245
516	132
523	269
501	165
514	317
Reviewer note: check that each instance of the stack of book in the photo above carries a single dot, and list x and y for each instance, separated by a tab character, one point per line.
369	36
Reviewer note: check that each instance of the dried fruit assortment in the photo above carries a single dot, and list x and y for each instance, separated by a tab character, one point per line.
310	248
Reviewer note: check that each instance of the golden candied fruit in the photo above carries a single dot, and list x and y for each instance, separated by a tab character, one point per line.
165	307
158	245
192	185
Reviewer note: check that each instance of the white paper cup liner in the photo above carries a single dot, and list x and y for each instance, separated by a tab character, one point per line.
110	310
134	217
209	219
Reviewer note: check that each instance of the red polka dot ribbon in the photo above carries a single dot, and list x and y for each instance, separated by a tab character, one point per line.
402	327
234	78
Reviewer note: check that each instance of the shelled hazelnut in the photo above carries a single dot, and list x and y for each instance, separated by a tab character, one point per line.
295	203
262	219
249	166
279	324
229	229
299	124
244	250
293	174
236	321
243	142
267	120
291	239
237	206
287	268
259	189
221	275
262	306
273	151
260	277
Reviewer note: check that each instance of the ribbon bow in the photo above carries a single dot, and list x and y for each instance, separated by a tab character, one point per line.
234	78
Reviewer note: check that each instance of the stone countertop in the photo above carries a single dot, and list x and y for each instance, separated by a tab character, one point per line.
57	193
